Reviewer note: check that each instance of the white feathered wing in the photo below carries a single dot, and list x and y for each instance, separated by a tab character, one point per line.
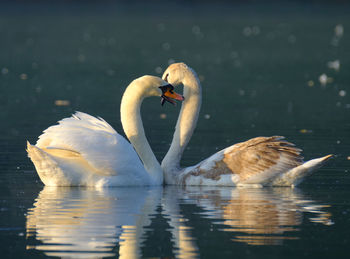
85	150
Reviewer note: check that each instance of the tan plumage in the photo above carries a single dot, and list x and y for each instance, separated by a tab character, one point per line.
260	154
250	160
260	161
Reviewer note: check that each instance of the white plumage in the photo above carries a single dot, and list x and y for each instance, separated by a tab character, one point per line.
86	151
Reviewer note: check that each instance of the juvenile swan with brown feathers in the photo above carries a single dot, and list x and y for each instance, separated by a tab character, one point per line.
261	161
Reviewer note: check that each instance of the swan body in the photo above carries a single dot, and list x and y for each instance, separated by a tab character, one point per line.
261	161
86	151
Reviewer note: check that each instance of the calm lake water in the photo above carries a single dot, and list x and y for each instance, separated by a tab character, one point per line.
265	70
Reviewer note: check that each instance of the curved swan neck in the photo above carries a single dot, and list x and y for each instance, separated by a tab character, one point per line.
186	122
133	127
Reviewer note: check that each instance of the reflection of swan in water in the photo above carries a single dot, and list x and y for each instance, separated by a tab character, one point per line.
181	232
259	216
89	223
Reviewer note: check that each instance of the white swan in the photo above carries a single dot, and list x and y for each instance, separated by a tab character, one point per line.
259	161
86	151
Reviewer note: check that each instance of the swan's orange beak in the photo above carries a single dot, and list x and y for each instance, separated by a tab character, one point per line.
169	95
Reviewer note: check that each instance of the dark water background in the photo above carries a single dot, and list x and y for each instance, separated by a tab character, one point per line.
260	67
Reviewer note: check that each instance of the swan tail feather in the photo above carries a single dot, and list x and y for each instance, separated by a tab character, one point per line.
46	166
296	175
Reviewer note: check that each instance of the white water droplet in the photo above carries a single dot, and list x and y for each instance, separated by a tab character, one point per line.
342	93
334	65
23	76
323	79
339	30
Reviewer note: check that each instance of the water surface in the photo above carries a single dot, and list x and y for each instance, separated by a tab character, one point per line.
122	221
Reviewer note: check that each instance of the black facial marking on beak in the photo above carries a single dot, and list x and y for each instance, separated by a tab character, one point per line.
164	98
168	95
166	88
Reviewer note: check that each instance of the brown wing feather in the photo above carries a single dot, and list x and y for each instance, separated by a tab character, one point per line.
252	158
260	154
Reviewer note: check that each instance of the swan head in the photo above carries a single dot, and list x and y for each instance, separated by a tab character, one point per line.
155	86
176	73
